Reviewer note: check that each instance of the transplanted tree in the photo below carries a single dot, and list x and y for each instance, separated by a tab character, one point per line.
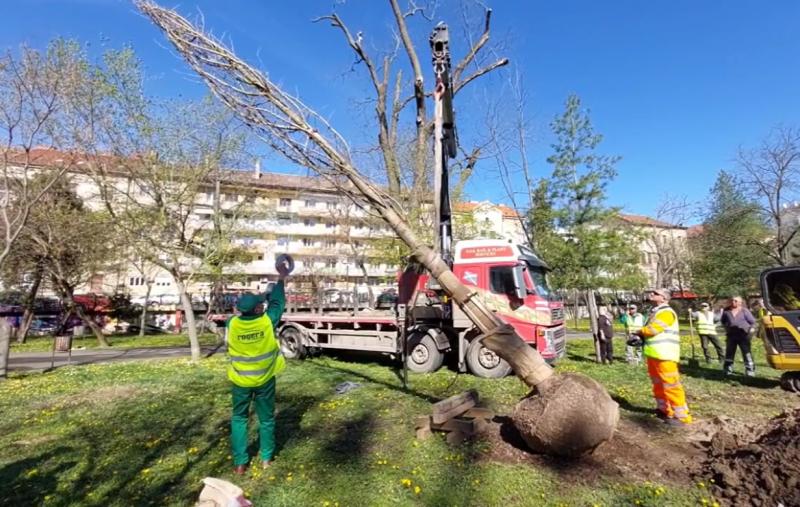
732	247
568	414
572	227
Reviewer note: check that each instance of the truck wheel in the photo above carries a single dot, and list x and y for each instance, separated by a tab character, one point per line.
423	356
291	341
484	363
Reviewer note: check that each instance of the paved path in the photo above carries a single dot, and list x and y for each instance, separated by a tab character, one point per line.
38	361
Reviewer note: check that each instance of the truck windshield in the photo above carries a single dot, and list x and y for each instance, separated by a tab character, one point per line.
539	277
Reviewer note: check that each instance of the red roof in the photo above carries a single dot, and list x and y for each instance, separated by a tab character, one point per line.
647	221
469	207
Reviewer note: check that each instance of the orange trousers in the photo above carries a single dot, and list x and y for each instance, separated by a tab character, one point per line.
668	390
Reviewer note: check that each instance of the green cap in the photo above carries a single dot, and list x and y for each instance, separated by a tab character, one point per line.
248	301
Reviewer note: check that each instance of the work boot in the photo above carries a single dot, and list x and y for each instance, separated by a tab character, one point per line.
660	415
240	469
266	463
750	373
675	423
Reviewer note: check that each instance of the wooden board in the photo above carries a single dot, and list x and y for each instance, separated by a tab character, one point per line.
454	406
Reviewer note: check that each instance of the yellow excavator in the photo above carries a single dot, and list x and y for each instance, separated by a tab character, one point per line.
780	323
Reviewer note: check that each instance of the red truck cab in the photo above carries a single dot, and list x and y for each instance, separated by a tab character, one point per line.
511	280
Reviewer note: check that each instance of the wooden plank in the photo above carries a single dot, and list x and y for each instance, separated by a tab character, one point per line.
464	426
440	417
448	404
422	422
479	413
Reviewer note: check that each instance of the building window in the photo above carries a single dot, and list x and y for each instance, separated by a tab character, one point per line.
308	222
285	202
136	281
331	263
311	203
329	225
329	243
331	206
283	241
308	242
284	220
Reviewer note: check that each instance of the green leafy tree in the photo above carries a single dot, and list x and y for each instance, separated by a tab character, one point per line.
573	228
733	246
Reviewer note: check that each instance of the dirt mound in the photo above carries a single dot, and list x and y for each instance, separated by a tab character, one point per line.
763	469
640	450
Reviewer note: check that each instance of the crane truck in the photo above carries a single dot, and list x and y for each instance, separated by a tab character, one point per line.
426	326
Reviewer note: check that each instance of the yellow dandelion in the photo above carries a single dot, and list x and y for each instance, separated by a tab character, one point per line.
405	482
417	490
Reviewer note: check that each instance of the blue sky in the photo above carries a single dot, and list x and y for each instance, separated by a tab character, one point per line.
675	87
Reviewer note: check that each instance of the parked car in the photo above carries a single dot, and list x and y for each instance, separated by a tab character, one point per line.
43	326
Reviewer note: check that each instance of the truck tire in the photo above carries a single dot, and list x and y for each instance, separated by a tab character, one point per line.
291	342
482	362
423	356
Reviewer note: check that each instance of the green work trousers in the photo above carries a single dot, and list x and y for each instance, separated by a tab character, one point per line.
263	397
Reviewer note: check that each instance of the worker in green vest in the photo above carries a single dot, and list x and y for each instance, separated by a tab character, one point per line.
707	329
255	359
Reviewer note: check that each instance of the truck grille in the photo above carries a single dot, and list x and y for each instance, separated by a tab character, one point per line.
786	342
558	339
557	314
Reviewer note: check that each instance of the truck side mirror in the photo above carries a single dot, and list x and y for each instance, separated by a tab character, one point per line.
519	290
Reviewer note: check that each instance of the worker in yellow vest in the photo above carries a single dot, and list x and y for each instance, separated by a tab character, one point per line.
255	359
634	321
707	329
662	348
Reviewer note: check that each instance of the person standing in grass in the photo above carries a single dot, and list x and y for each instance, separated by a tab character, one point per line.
707	329
633	321
739	324
662	348
255	360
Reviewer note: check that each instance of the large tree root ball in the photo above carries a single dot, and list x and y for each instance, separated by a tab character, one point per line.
569	415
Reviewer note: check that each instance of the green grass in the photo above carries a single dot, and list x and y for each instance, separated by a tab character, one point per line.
45	343
148	432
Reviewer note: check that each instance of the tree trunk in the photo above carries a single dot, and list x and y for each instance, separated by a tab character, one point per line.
5	347
143	316
191	328
67	295
98	332
28	313
591	305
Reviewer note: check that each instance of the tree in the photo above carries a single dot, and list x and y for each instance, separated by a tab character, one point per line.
771	173
69	242
39	92
732	247
576	233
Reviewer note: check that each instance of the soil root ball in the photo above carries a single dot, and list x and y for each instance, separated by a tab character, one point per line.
569	416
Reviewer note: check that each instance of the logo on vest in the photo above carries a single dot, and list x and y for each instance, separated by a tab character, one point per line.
251	337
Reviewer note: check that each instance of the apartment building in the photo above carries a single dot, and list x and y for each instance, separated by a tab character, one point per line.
334	242
663	250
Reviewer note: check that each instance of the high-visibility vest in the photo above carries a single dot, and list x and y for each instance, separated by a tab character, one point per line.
255	356
667	344
705	323
634	322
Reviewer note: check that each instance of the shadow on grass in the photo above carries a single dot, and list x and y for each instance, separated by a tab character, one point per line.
716	374
396	387
25	484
